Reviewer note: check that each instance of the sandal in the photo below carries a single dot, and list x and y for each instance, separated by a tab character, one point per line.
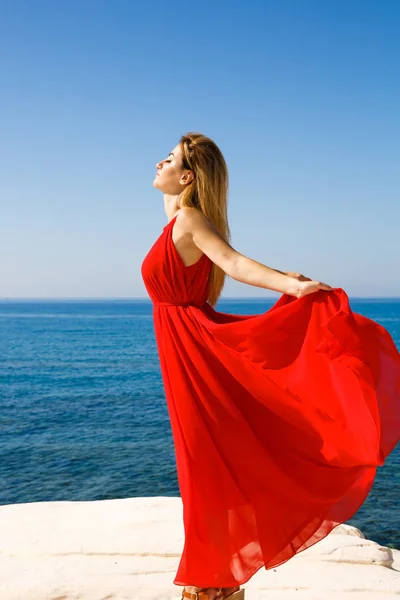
200	595
230	594
222	594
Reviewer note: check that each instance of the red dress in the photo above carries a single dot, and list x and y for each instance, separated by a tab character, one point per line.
279	420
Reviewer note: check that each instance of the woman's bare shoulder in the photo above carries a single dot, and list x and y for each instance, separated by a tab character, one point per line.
192	219
187	213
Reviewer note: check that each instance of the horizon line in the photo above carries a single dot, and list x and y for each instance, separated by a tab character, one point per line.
145	299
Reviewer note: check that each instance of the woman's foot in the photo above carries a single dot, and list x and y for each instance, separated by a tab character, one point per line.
228	591
212	593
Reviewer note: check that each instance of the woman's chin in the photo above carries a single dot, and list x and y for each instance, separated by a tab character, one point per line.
157	185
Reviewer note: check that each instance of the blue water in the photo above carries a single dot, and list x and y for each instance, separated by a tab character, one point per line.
83	413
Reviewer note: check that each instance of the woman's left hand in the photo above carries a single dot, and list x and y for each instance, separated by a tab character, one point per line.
310	287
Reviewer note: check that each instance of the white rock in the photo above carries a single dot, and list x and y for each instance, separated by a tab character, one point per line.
129	550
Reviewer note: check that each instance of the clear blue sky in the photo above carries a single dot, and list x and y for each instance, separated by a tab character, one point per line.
303	98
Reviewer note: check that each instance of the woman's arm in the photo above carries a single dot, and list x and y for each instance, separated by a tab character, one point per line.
252	272
236	265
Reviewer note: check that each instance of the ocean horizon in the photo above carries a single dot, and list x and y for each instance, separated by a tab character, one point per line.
146	298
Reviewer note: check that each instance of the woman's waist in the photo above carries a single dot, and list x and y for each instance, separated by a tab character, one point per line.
196	304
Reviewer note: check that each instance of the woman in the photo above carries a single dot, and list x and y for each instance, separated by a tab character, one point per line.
279	420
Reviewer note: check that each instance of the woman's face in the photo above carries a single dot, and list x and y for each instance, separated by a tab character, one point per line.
170	177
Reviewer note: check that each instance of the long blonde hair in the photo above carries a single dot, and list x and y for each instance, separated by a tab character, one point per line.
208	192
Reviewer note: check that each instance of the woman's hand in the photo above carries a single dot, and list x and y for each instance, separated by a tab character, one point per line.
308	286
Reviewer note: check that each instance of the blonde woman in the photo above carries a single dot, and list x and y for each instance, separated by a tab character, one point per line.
280	419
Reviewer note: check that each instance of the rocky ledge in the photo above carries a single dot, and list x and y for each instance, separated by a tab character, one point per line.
129	550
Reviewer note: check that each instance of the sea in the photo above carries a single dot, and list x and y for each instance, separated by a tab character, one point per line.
83	413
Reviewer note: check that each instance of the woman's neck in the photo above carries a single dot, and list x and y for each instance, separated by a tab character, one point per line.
171	205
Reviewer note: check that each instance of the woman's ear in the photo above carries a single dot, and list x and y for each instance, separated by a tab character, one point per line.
187	177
